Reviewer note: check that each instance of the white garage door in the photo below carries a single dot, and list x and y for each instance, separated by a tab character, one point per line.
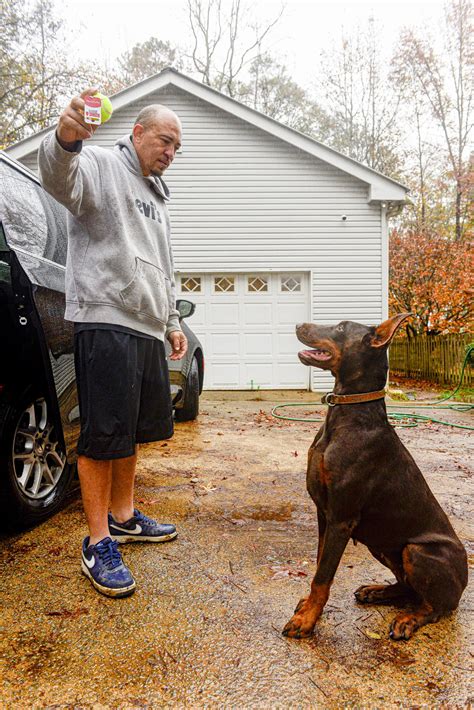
246	323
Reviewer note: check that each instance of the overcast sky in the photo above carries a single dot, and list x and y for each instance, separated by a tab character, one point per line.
104	29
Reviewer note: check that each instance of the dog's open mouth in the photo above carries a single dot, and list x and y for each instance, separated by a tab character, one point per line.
316	355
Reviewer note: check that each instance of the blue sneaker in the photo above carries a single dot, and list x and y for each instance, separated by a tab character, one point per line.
140	528
102	564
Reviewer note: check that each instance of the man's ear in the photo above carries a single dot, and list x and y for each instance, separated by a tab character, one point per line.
386	330
137	132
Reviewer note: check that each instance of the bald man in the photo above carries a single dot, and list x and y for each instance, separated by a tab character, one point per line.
120	294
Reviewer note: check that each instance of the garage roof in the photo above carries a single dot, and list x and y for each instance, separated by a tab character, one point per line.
381	187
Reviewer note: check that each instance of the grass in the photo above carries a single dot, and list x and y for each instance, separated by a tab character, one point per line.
465	394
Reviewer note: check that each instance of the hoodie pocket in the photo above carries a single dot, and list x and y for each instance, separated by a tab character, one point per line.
146	292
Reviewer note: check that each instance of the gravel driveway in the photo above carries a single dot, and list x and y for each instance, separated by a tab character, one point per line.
204	627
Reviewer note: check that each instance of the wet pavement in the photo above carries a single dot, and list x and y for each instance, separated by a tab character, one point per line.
204	627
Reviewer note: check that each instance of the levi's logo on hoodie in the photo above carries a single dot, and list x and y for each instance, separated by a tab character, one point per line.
149	209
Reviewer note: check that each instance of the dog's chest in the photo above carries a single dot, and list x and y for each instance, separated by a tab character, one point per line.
318	477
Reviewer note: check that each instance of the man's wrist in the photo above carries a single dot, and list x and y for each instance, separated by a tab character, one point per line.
173	325
66	145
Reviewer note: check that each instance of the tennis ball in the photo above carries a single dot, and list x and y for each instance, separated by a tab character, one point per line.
106	110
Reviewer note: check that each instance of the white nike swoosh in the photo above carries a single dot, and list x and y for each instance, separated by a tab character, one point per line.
89	563
136	531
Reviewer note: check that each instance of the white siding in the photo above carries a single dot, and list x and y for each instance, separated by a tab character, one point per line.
31	161
244	200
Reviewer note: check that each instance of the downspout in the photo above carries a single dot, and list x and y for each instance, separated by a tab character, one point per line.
384	212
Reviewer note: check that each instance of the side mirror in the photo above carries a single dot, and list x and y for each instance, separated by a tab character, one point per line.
185	308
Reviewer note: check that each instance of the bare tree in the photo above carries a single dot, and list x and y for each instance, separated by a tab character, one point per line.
35	75
424	167
147	58
360	100
445	81
271	90
221	48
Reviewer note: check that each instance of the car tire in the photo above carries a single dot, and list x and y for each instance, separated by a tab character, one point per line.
34	474
190	408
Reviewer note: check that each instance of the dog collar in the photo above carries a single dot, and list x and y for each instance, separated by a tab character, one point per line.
331	399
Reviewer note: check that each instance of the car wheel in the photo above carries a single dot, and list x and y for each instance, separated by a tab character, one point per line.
190	408
34	474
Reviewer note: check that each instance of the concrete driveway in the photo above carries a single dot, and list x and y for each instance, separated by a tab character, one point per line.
204	627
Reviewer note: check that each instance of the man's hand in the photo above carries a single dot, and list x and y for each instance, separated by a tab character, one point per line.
71	126
179	344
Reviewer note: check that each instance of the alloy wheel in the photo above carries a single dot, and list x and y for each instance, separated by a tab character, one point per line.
37	459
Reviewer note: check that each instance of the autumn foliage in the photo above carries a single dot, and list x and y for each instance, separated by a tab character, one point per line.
431	277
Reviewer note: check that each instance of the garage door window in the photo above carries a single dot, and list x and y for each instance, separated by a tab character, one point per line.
291	284
224	284
191	284
257	284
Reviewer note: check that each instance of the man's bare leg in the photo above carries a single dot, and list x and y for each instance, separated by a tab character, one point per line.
102	564
96	484
123	480
143	528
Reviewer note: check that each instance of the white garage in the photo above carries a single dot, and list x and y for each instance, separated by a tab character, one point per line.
269	228
246	323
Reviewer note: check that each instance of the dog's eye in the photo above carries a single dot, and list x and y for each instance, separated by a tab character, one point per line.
340	328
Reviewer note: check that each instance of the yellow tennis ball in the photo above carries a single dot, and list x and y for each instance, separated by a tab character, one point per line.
106	110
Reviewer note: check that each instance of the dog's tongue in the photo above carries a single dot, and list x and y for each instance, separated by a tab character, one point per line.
316	354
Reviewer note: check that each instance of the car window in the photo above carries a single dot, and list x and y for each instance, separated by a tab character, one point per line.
5	274
34	222
3	241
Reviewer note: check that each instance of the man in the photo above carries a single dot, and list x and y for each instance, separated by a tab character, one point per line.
120	295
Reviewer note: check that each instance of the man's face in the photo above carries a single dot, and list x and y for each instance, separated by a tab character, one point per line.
157	144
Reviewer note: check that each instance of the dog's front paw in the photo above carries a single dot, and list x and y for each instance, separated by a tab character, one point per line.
302	622
369	593
299	627
403	627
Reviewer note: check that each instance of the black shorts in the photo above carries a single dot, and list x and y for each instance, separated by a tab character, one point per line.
124	392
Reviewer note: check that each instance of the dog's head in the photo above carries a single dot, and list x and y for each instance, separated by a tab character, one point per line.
349	350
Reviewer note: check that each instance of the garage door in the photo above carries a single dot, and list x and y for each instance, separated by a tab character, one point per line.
246	323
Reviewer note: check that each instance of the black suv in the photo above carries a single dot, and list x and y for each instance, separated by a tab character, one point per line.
38	399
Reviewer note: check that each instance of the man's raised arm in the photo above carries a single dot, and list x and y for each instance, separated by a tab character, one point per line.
71	178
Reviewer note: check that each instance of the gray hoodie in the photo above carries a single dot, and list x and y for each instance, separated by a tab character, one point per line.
119	267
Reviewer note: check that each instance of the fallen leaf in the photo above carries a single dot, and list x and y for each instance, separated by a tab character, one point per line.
281	572
55	551
372	634
67	614
403	660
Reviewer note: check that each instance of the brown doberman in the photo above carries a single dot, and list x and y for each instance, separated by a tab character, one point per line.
366	486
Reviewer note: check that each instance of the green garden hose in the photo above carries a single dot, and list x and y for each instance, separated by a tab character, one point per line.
405	419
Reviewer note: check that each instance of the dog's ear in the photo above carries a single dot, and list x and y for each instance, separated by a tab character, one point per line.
386	330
